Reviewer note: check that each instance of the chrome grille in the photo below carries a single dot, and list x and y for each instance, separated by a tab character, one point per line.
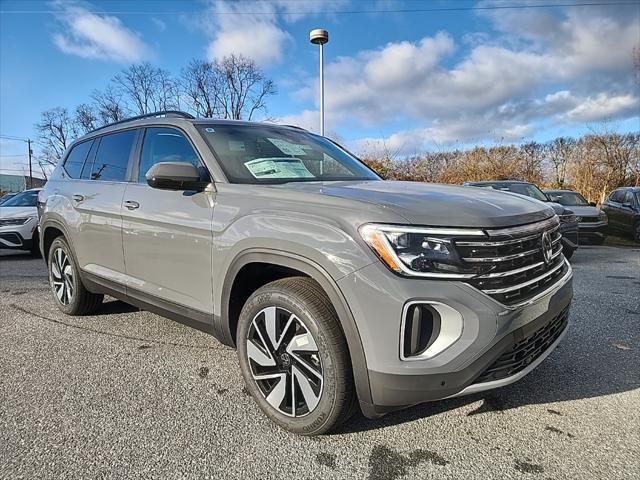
511	262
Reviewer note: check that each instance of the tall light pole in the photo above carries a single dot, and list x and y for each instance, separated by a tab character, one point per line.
320	37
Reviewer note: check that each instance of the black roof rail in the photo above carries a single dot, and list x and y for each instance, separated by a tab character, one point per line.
164	113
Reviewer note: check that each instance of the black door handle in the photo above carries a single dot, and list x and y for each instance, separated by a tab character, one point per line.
78	198
131	205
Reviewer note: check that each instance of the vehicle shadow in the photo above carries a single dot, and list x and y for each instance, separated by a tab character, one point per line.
112	307
578	369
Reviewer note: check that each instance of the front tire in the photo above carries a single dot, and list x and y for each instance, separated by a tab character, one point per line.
636	232
69	292
294	357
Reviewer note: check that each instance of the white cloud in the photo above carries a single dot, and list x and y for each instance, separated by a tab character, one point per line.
254	29
604	106
499	87
102	37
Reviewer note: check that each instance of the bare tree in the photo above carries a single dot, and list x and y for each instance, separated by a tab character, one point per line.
245	88
86	118
56	130
202	85
109	104
559	154
147	88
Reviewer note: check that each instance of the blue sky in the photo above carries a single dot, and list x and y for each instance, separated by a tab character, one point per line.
405	81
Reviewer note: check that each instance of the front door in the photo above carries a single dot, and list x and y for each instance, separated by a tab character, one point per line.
167	238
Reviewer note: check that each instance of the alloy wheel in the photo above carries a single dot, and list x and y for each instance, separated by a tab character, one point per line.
285	361
62	276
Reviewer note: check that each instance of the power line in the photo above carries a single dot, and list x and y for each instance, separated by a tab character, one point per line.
341	12
11	137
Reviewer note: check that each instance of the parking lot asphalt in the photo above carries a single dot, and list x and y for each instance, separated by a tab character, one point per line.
128	394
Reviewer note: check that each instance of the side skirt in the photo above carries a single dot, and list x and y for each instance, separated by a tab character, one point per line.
192	318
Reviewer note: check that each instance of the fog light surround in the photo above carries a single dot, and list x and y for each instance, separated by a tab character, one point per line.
427	329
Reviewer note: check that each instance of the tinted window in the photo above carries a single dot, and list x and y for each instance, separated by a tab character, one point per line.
24	199
271	154
75	159
616	196
165	145
112	157
628	198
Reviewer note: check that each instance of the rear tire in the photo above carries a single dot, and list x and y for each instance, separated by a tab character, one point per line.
69	292
35	244
289	332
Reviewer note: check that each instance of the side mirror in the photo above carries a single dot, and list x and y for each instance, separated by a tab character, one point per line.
592	204
175	176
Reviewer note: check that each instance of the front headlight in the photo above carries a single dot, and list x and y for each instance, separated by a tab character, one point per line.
568	218
602	216
418	251
5	222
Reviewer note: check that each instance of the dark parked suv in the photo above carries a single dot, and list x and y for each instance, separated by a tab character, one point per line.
622	206
337	288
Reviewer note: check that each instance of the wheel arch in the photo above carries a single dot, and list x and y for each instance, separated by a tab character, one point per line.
297	265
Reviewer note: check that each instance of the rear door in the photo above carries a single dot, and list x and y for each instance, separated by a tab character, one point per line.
167	235
96	201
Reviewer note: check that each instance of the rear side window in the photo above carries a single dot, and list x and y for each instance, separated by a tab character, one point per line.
112	158
75	159
165	145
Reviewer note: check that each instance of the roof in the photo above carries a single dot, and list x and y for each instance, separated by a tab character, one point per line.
499	182
171	118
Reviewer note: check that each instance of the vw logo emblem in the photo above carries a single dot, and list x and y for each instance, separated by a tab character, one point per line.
547	248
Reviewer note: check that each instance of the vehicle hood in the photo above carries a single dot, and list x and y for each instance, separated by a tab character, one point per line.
438	205
586	211
17	212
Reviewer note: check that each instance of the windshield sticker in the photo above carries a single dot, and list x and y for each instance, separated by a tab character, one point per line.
277	167
210	130
288	148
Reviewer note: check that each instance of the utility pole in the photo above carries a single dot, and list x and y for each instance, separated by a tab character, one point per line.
30	167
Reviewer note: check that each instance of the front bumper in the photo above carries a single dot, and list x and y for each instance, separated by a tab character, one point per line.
490	331
570	234
593	230
19	237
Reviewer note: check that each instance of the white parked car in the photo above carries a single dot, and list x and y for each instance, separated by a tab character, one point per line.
19	222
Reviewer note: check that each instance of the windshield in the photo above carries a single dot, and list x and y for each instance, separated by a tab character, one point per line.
24	199
271	154
526	189
638	198
568	199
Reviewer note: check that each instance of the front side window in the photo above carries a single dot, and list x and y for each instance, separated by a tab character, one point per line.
165	145
75	160
628	198
569	199
112	157
271	154
28	198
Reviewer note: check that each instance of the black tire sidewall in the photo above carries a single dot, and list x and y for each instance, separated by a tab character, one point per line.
324	415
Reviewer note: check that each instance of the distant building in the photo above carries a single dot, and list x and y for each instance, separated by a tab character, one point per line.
17	183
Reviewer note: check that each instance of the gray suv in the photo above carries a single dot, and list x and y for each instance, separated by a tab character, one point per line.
338	289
